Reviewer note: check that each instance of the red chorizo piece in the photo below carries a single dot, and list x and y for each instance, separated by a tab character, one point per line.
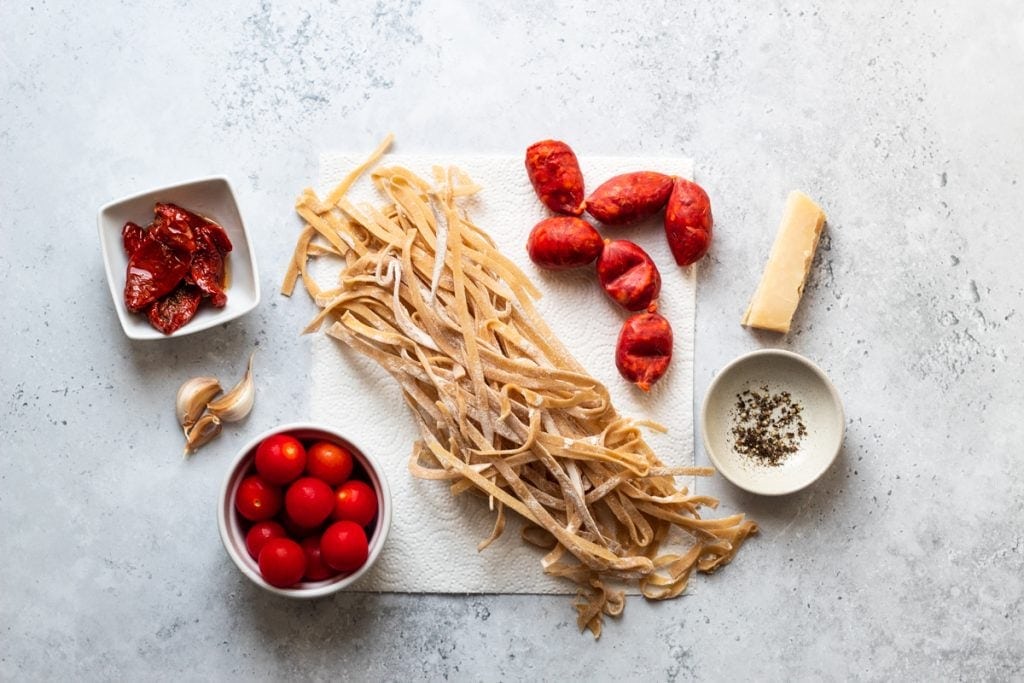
563	242
688	222
629	197
556	176
628	275
644	350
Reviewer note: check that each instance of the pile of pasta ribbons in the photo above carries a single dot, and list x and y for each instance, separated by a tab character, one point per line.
502	407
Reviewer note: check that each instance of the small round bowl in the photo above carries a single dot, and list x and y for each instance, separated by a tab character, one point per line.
232	533
822	415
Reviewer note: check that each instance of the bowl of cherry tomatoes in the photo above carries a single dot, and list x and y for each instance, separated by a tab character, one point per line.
304	512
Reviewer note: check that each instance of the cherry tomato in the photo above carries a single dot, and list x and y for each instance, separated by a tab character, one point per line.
259	534
257	499
280	458
330	462
308	501
282	562
356	502
316	570
344	546
296	530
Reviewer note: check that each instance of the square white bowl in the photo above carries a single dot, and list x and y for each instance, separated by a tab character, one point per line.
209	197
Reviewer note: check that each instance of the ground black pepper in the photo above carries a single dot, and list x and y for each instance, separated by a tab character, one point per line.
766	426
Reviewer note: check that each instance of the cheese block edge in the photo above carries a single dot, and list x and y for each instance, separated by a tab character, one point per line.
782	283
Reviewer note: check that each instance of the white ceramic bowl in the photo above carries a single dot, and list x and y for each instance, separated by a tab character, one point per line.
822	415
210	197
232	532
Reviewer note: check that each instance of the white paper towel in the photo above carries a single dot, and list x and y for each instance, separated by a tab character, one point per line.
432	546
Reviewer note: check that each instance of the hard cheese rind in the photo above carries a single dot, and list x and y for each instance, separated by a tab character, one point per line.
782	283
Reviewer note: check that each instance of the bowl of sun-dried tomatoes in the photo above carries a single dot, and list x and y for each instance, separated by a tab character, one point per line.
178	259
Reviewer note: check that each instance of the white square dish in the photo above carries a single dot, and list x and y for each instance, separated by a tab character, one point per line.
209	197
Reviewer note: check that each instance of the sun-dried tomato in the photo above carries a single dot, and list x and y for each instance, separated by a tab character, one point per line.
173	264
154	270
132	235
174	310
207	270
173	227
217	236
175	214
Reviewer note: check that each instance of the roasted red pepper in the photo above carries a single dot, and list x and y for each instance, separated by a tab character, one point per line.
174	310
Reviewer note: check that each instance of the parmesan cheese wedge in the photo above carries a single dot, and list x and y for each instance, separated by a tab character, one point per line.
782	283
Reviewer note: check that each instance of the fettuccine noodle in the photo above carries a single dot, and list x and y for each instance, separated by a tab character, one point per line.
501	405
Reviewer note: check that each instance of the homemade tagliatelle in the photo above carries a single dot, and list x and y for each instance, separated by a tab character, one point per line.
502	406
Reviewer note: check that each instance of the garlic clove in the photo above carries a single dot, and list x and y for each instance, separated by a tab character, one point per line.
201	433
236	404
192	398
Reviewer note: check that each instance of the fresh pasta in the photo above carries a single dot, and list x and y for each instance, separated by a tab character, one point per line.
503	409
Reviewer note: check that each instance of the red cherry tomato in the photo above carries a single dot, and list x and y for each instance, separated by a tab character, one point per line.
330	462
344	546
259	534
308	501
280	458
296	530
356	502
316	570
282	562
257	499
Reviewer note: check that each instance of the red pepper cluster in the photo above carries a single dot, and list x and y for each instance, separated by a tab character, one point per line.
626	272
173	264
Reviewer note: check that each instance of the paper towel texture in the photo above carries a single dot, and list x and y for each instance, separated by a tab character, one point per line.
432	546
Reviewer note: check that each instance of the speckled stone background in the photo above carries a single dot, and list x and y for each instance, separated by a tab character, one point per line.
905	561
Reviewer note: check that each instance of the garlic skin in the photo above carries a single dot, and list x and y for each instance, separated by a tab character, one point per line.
236	403
192	398
202	432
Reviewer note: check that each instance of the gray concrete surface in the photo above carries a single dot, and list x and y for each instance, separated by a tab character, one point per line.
904	562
